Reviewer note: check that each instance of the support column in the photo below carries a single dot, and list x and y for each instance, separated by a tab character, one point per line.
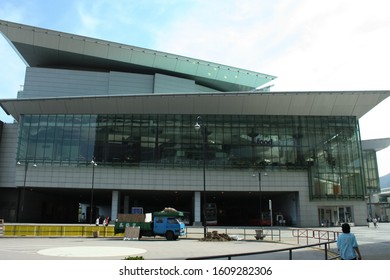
197	209
126	205
114	205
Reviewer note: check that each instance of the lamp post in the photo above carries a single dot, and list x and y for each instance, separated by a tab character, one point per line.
20	208
261	212
94	164
270	209
199	125
261	177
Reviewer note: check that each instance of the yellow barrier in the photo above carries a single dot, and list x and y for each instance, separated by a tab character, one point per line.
57	230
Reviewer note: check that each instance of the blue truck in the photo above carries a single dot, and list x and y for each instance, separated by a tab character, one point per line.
164	223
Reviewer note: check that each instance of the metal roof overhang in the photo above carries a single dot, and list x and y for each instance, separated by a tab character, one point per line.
356	103
40	47
376	144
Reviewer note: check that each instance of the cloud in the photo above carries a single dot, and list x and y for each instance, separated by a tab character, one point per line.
89	22
12	68
12	75
12	11
216	31
310	45
130	22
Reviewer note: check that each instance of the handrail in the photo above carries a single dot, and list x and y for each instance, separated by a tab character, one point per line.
290	250
274	233
327	235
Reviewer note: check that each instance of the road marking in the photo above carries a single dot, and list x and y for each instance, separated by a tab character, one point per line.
90	251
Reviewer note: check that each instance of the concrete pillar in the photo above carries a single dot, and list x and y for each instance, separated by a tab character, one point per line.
197	209
126	204
114	205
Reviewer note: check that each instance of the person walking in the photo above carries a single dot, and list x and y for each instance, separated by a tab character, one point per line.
347	244
375	221
97	221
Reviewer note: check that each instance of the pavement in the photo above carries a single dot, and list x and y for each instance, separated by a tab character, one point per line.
373	243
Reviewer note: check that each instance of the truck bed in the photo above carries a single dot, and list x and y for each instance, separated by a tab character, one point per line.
121	226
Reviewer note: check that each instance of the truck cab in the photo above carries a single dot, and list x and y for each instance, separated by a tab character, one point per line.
170	227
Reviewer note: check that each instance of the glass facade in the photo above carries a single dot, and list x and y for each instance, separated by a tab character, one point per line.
371	171
327	147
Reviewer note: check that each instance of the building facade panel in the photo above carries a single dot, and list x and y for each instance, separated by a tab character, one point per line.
327	147
129	83
298	163
169	84
43	82
8	148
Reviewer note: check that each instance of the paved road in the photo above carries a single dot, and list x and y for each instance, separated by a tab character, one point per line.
374	244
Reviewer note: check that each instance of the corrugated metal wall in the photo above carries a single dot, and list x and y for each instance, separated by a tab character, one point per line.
45	82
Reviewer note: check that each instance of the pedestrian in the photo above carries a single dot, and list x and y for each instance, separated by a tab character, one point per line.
106	221
97	221
375	221
347	244
368	221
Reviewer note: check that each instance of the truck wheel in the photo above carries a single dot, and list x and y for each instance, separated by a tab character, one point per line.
169	235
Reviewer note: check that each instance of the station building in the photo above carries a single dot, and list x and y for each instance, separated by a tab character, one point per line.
103	128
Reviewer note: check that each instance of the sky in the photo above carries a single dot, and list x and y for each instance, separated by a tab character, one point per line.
309	45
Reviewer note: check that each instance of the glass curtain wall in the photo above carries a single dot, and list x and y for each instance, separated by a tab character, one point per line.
327	147
337	172
371	171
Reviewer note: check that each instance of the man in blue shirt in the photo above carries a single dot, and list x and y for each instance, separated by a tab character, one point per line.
347	244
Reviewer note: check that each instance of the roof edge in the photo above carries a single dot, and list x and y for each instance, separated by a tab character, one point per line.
210	71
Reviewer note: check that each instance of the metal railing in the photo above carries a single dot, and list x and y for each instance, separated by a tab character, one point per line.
271	233
318	234
289	250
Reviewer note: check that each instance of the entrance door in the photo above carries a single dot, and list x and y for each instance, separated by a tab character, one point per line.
334	215
345	214
325	216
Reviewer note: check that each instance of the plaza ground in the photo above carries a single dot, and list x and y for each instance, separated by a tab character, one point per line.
373	242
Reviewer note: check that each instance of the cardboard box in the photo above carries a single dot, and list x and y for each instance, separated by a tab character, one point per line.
132	218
